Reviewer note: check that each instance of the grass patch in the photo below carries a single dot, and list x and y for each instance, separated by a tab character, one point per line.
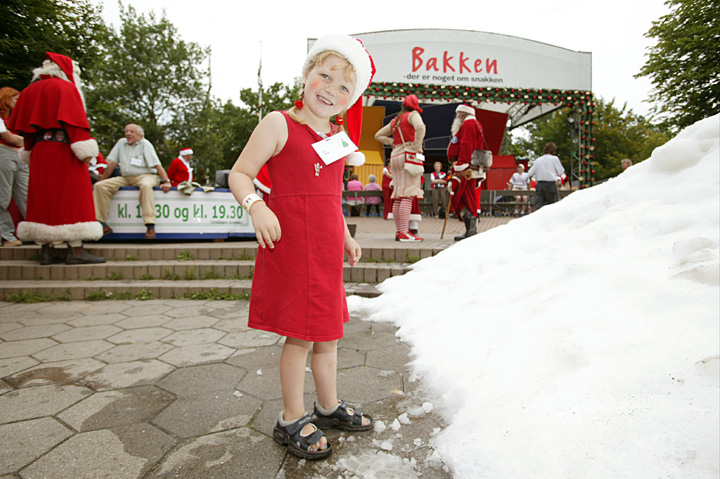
410	258
215	295
371	260
211	275
115	275
130	257
170	275
190	274
147	277
33	297
102	295
185	256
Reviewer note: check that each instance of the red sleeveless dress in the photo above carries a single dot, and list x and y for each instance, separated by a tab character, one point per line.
297	287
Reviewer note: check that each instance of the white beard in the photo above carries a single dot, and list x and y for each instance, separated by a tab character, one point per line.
455	127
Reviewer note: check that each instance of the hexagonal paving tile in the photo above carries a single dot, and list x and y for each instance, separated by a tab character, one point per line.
31	403
191	322
223	455
249	339
232	325
33	332
363	384
14	365
267	384
123	375
61	372
148	321
256	358
141	335
194	336
395	357
78	458
134	352
22	442
147	309
197	354
86	333
82	349
27	347
194	380
179	311
96	319
116	408
212	412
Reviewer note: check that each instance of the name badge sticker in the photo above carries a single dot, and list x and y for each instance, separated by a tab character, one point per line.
137	161
334	147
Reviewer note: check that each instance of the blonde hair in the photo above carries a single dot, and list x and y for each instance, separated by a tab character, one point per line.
347	69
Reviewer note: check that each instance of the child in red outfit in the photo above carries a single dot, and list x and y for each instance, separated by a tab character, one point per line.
298	289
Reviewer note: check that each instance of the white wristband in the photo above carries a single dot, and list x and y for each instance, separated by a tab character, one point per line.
250	200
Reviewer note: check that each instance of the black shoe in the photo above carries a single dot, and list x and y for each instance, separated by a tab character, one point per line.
49	255
84	258
470	227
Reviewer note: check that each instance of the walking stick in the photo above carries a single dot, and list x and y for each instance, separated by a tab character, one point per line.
447	213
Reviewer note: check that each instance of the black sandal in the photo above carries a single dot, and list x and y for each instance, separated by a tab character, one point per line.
343	420
298	444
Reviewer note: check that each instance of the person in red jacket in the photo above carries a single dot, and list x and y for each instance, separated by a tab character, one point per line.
467	137
50	116
181	168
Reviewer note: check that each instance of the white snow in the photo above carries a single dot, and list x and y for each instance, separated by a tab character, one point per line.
581	341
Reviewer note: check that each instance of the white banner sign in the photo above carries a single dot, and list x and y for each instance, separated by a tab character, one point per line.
213	212
478	59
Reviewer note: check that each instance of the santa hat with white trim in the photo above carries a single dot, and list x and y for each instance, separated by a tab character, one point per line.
186	151
355	53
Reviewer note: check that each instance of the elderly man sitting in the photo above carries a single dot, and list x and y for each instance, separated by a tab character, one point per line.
140	167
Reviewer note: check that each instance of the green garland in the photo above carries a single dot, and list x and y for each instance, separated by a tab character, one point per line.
580	100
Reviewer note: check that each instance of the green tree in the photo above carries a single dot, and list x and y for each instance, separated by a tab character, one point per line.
151	77
29	28
684	64
618	133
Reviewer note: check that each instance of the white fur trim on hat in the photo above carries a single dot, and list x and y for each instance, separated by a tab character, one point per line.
42	233
353	51
355	159
465	109
85	149
24	156
186	151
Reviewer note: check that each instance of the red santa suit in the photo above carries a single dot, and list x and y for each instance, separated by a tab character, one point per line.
180	170
51	118
468	139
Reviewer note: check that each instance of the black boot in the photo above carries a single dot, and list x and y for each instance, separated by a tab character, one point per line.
470	226
49	255
84	258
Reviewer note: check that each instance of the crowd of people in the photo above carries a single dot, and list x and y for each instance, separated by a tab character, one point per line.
53	171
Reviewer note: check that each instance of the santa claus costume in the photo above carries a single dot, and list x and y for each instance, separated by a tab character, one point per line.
180	169
50	115
468	138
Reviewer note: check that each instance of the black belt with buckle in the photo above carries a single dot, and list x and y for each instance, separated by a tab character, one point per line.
58	135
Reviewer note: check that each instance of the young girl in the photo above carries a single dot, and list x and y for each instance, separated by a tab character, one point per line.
298	289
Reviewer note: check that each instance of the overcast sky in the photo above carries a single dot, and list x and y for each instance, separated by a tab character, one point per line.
613	31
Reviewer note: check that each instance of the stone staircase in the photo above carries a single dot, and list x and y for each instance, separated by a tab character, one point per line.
196	270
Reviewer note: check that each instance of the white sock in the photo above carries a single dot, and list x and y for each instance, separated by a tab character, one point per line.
324	411
285	423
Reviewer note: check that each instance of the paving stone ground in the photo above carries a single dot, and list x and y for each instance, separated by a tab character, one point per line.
184	389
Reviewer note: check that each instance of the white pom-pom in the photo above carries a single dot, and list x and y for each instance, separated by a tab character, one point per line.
355	159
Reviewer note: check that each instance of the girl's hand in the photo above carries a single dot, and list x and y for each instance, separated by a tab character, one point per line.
352	249
267	226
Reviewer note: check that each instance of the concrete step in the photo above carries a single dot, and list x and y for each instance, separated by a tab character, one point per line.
206	251
174	270
148	289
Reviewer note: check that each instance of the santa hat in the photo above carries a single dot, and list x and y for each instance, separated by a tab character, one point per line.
411	101
186	151
355	53
65	63
465	109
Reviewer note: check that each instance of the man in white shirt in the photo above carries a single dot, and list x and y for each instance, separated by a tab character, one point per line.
546	171
139	166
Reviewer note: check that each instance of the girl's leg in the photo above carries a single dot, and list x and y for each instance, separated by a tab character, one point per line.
324	368
292	382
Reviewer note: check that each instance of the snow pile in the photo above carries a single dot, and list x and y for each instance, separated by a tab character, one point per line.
582	340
